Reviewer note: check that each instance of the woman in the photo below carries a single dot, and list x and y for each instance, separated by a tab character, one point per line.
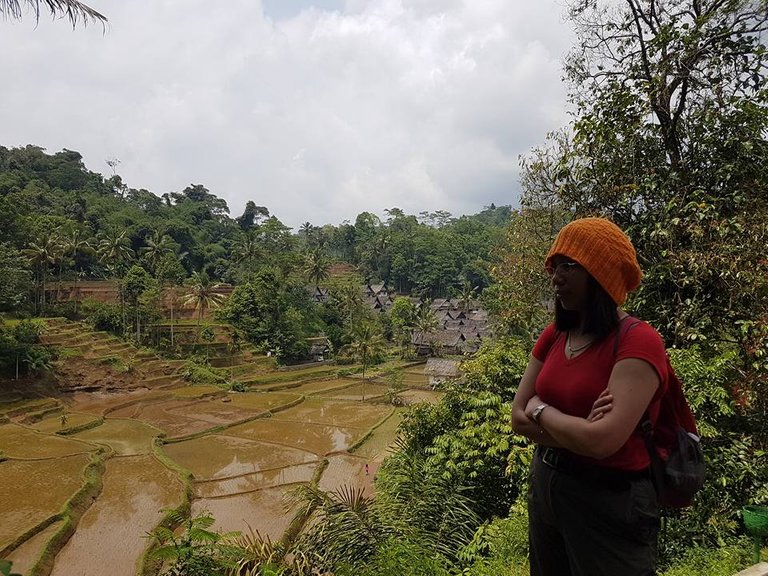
592	376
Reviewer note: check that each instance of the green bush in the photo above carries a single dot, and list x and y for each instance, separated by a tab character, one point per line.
103	316
500	548
724	561
202	374
398	558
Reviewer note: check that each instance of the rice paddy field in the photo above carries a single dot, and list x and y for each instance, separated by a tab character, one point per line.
111	461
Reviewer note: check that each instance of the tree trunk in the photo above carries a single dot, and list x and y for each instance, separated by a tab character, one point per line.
173	295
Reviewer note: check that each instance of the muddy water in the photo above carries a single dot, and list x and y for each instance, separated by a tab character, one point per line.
263	511
346	414
376	447
240	473
223	456
348	469
36	490
25	556
53	424
111	535
24	443
125	437
315	438
257	481
361	391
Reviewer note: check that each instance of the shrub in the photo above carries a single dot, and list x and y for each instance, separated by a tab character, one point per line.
103	316
202	374
238	387
725	561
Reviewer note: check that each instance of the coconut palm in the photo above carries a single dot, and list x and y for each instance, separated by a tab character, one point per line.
426	322
74	244
158	245
41	254
203	295
247	249
316	266
113	249
367	344
466	293
70	9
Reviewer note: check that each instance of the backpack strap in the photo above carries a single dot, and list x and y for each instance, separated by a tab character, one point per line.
620	328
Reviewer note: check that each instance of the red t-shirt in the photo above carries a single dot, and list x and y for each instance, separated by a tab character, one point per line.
573	385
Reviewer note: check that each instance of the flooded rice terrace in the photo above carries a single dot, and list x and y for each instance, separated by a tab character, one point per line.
87	473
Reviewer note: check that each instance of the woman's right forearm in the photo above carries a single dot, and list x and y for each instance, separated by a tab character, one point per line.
524	426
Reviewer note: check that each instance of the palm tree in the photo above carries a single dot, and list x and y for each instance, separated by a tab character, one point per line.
316	265
426	322
59	257
465	295
345	526
75	244
113	249
41	254
71	9
202	295
158	245
367	343
247	249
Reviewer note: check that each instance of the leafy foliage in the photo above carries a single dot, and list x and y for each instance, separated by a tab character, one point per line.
193	553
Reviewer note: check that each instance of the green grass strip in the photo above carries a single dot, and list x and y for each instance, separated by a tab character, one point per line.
82	427
73	512
150	566
370	432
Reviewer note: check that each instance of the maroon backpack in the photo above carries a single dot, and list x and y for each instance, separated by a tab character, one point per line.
673	444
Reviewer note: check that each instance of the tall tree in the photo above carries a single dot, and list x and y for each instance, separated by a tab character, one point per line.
316	266
203	295
40	254
247	249
367	345
77	243
113	250
15	278
158	244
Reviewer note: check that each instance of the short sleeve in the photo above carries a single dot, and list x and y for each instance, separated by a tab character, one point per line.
643	342
544	343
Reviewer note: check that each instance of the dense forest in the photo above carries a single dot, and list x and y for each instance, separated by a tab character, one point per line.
52	201
669	139
64	223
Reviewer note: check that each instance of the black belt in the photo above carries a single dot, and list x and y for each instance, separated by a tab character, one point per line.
562	461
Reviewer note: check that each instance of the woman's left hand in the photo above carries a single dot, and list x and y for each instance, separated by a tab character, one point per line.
603	404
533	403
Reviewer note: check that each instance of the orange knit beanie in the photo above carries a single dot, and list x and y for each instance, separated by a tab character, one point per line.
604	251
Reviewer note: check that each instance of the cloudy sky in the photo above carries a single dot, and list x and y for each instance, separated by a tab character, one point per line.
318	110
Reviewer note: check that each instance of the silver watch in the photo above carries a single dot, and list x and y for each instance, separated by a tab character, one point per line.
536	414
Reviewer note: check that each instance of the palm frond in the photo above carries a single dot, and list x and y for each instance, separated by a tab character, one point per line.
72	10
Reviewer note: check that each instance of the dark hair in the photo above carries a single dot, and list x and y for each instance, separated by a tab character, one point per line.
601	314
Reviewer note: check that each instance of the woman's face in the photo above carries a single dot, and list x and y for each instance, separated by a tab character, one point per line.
569	280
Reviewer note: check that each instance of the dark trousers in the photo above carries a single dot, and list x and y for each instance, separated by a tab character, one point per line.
584	527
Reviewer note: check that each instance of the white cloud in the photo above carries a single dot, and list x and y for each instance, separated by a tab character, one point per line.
316	114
